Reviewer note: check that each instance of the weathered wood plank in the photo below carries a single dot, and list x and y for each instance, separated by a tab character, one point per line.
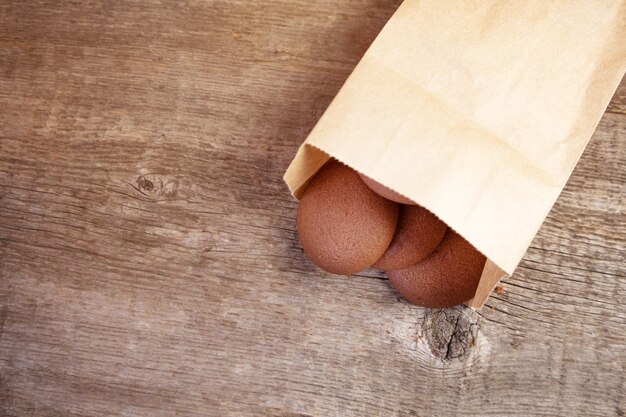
148	257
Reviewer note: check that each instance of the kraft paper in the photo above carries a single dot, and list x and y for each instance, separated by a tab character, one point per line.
478	111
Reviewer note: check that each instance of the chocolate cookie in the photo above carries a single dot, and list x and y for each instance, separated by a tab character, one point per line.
386	192
418	234
446	278
344	226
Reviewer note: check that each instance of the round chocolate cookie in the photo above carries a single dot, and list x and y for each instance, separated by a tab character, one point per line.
418	234
386	192
344	226
446	278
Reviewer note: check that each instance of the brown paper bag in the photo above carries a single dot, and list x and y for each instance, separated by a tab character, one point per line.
478	111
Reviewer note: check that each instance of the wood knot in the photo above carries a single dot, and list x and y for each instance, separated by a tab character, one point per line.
451	333
145	184
156	187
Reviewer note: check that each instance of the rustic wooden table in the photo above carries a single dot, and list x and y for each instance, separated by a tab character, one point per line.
149	264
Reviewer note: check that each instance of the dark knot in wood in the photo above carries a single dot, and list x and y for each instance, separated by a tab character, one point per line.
156	187
145	184
451	332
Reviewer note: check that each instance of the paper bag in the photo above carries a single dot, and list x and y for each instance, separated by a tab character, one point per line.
478	111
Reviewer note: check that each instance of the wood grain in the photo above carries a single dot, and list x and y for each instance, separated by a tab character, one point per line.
618	103
149	264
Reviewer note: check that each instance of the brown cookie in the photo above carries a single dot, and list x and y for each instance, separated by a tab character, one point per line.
386	192
344	226
418	234
446	278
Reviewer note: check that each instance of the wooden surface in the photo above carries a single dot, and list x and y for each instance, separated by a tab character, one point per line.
149	264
